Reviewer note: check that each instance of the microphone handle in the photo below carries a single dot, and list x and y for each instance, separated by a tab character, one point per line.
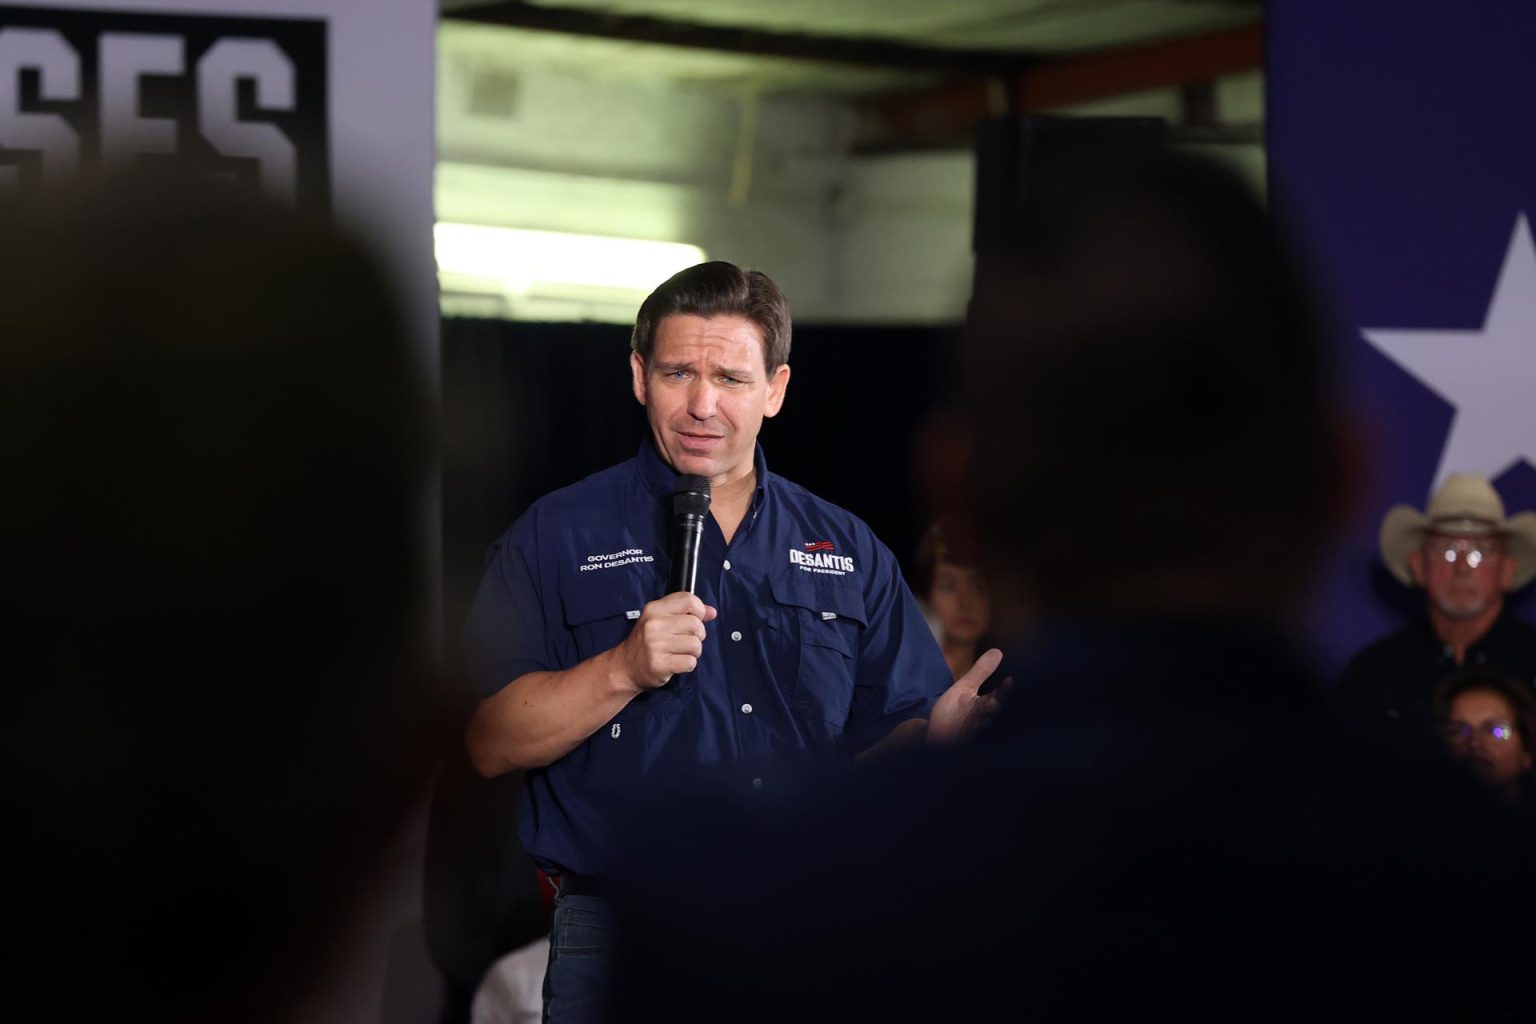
685	561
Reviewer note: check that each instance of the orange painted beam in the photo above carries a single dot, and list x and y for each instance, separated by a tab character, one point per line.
1137	69
947	114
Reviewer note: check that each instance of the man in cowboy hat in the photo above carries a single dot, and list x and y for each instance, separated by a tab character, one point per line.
1465	553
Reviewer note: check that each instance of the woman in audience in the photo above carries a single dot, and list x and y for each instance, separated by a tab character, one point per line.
1489	721
954	596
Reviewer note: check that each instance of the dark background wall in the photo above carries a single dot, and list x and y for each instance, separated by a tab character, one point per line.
530	407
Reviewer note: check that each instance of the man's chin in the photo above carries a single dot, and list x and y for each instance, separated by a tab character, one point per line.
694	464
1461	612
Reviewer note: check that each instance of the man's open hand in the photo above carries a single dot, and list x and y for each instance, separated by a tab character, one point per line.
961	710
666	641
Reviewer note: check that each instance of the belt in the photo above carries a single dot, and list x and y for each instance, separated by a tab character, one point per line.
580	885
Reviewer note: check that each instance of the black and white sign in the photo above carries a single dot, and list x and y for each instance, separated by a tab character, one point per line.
244	98
327	104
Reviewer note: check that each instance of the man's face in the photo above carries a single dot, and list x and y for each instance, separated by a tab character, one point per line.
706	391
1462	576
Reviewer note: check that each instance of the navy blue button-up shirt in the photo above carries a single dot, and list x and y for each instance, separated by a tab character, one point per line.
818	647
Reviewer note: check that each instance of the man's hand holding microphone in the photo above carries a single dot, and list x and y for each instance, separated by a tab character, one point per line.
667	640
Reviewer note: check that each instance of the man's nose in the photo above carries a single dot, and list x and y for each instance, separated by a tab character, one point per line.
701	399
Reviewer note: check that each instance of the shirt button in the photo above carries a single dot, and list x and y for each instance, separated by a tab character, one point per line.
757	783
727	565
746	709
736	634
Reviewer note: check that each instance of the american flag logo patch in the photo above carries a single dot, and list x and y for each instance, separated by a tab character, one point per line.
820	545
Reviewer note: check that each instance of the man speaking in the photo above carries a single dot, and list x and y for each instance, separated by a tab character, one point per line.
800	638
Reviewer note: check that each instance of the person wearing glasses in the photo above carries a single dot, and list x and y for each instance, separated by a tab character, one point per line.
1489	721
1465	554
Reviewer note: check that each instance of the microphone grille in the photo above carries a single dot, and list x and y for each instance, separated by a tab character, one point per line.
690	495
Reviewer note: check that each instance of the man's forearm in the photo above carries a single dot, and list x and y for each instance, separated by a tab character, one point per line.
540	717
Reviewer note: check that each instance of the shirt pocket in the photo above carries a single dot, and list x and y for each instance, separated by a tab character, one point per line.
823	619
599	612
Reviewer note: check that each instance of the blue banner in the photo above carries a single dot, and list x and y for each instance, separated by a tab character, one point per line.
1402	149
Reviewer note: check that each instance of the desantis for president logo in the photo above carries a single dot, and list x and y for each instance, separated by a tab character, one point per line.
819	556
242	99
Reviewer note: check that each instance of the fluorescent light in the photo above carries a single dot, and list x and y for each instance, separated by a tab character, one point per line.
518	260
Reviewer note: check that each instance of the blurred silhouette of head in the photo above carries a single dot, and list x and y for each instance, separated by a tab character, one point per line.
219	690
1147	390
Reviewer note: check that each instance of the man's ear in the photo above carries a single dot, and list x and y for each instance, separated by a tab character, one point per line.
1416	564
637	371
777	383
1508	566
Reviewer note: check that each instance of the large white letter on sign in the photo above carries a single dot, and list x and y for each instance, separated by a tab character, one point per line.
218	73
58	68
124	58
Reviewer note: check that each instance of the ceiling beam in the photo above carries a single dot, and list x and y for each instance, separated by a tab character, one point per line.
1139	68
756	42
947	115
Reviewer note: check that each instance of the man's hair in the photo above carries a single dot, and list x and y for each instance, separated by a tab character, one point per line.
219	688
1485	679
1146	380
712	289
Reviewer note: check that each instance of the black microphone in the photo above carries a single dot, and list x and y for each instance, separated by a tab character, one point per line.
690	507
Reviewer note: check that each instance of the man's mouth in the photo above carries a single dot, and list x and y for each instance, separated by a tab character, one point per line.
699	440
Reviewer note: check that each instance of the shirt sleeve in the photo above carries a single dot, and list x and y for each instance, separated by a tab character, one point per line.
509	631
901	671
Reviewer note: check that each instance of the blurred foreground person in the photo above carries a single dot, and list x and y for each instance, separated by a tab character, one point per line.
1489	722
1465	554
1163	820
217	710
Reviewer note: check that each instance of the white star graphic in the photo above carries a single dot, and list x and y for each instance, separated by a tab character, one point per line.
1488	376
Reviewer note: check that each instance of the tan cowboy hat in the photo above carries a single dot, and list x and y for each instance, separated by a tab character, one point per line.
1466	505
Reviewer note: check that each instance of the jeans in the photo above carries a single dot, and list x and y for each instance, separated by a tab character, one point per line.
580	955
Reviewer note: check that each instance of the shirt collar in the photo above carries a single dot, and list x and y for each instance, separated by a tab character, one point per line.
1491	638
661	478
